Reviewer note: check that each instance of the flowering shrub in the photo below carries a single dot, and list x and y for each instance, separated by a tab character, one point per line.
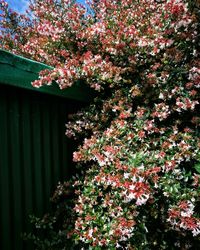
140	137
50	230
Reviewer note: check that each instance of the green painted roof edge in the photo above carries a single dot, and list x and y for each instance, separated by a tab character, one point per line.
20	72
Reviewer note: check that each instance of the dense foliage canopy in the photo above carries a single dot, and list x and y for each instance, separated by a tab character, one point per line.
140	150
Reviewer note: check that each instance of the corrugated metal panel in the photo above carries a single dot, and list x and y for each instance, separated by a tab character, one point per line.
34	156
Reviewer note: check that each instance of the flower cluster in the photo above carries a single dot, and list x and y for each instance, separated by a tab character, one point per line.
182	217
140	146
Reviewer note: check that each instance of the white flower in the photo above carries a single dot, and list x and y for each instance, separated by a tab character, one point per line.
126	175
161	96
118	245
132	187
142	200
196	231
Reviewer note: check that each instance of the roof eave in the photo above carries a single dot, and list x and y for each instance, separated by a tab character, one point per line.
21	72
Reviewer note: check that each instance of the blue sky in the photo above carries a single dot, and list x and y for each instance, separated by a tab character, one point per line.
21	5
18	5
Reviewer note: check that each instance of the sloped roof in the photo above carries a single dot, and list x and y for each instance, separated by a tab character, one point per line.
19	71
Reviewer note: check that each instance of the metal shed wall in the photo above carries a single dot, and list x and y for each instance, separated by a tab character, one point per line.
34	152
34	155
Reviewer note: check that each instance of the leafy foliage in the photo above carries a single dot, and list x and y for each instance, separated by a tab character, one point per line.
51	231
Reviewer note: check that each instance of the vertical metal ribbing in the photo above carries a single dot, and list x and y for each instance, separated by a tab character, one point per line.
5	187
16	178
34	156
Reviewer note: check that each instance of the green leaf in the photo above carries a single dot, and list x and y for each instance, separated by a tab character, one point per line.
197	167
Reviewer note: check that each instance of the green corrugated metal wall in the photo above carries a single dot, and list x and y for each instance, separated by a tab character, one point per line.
34	155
